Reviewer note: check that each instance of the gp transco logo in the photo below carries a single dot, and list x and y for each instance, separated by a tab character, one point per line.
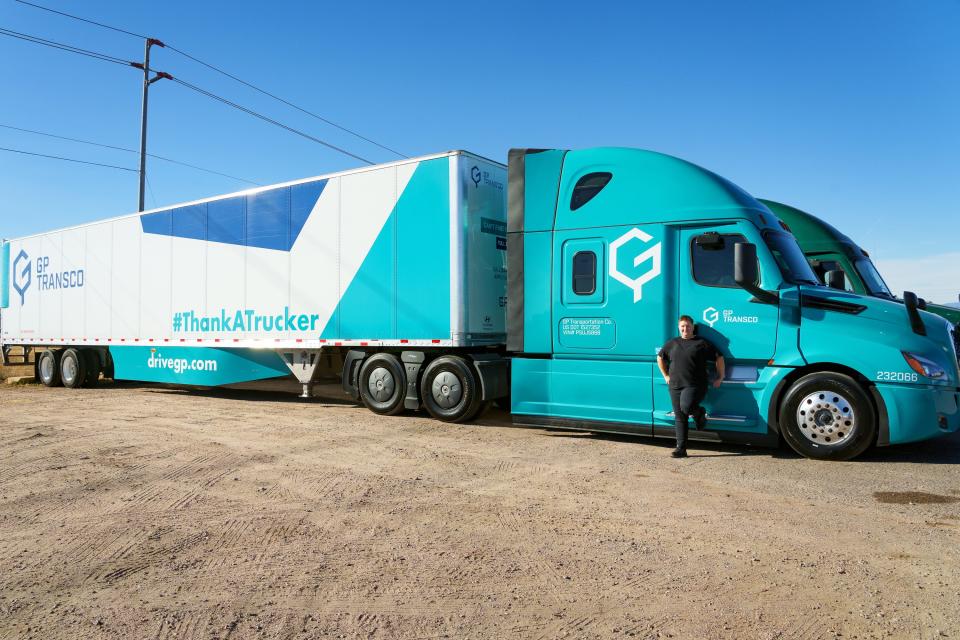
22	274
652	254
710	316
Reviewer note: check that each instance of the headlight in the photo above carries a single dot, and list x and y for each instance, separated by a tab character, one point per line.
924	366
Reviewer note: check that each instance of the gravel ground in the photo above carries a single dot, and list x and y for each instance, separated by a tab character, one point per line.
152	512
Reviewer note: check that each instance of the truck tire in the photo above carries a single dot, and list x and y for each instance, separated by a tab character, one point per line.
93	367
450	390
828	416
383	384
48	368
73	368
108	365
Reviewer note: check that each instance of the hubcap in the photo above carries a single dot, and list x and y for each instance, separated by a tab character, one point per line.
69	369
826	418
381	384
46	368
446	390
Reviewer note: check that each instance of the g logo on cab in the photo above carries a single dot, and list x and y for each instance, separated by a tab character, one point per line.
652	254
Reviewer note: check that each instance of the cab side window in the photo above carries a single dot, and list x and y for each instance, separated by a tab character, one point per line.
713	266
584	273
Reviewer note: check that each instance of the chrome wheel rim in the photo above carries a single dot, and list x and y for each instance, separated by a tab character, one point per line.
69	370
381	384
826	418
446	390
46	369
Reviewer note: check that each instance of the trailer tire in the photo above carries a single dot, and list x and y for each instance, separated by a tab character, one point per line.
93	367
48	368
108	365
450	390
73	369
383	384
828	416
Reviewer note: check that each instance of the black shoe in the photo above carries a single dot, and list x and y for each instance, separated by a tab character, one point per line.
678	453
700	420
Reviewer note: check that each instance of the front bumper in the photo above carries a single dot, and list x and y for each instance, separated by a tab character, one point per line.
920	412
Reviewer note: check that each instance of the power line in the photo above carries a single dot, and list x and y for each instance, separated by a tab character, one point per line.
225	73
65	47
198	90
268	119
43	155
110	146
286	102
69	15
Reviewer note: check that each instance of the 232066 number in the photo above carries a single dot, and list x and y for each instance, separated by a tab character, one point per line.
897	376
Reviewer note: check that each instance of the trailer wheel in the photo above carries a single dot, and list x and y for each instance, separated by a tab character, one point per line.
383	384
450	390
73	368
48	368
93	367
828	416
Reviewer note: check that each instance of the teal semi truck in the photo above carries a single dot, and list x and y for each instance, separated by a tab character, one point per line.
828	249
607	247
446	282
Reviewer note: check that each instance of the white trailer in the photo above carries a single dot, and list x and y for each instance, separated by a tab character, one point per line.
398	263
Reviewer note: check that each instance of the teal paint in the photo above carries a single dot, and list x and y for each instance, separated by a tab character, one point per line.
196	365
537	304
541	181
4	275
423	253
402	288
605	390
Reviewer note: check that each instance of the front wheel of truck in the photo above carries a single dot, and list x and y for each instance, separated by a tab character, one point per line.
827	416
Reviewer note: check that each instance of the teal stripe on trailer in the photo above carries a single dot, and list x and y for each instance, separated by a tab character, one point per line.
196	365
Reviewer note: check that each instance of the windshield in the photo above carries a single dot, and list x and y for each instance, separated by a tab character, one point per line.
871	278
793	264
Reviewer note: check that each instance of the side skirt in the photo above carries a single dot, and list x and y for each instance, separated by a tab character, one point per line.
768	439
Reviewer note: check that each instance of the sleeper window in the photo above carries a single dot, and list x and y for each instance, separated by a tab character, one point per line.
584	273
587	187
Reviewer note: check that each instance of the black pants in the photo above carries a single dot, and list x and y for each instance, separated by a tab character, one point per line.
686	402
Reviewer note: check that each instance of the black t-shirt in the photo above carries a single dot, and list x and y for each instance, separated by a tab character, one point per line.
687	361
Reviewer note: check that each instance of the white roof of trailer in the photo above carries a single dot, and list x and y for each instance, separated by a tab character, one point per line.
245	192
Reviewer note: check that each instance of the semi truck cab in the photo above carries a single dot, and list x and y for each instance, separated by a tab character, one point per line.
828	249
607	247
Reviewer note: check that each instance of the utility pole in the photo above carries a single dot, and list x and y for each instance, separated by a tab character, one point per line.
147	81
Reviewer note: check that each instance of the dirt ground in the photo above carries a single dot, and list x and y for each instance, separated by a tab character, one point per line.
151	512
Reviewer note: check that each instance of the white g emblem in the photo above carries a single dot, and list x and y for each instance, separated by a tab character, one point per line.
710	316
652	254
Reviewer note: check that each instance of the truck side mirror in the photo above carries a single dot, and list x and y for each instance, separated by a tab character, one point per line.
746	272
911	302
836	279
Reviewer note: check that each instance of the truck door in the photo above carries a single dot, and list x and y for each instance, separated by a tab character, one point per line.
603	337
743	330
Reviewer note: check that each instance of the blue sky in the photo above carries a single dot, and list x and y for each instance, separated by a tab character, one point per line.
847	110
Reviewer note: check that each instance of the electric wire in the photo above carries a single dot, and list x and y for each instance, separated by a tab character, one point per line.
149	155
253	113
225	73
70	15
203	92
286	102
65	47
44	155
